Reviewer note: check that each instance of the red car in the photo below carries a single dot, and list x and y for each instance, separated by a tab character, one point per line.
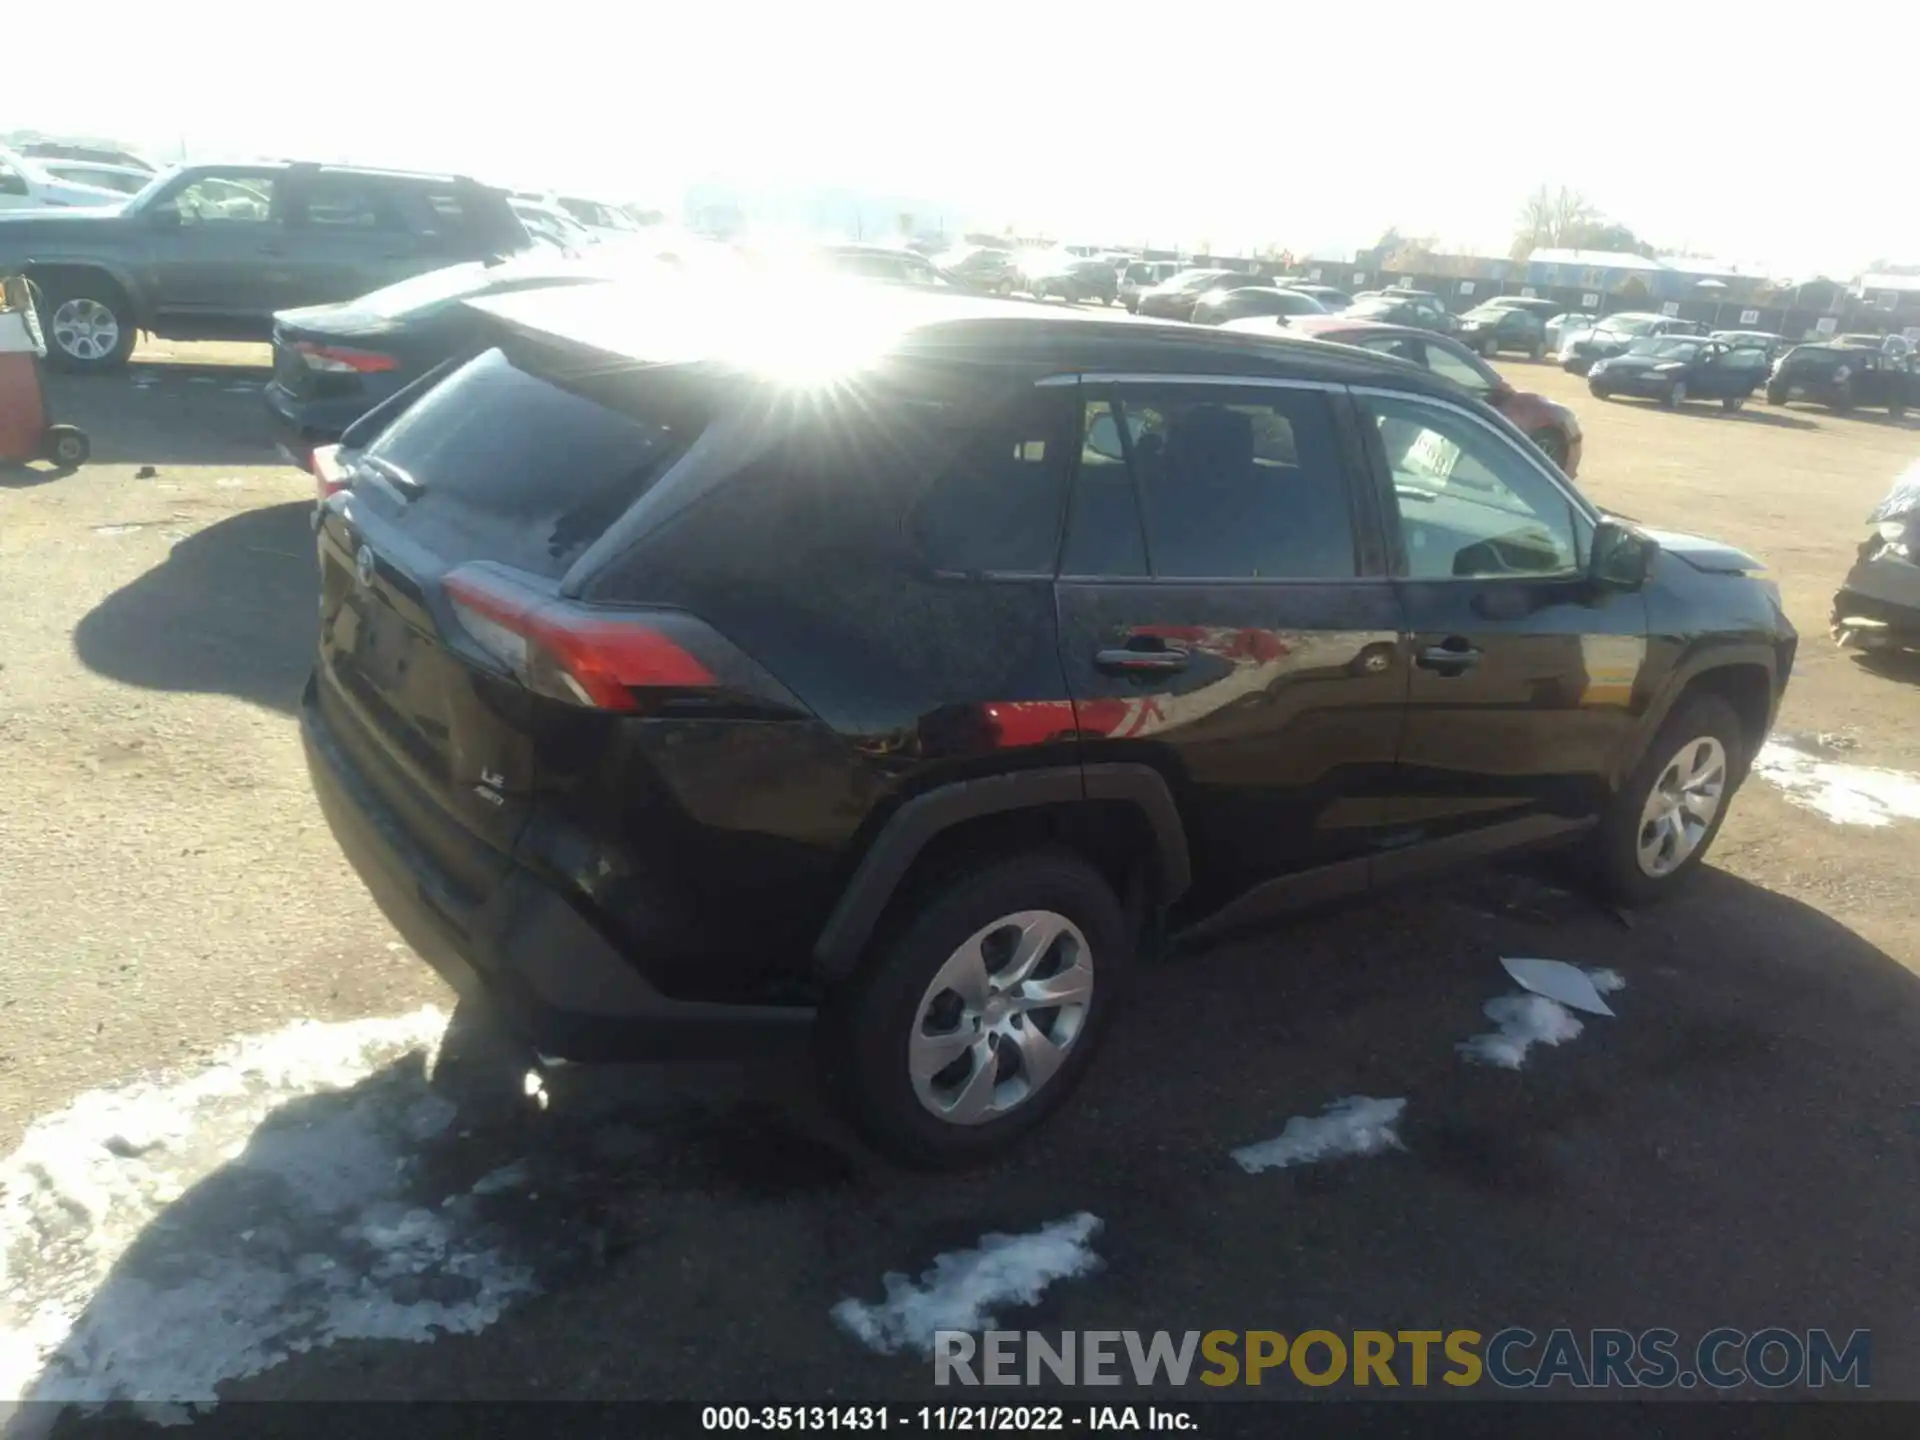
1553	427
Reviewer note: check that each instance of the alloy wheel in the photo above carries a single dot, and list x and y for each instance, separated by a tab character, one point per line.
85	329
1000	1016
1681	807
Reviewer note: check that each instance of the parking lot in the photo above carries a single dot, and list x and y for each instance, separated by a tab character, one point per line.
1738	1146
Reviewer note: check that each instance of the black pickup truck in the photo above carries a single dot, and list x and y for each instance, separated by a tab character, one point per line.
210	252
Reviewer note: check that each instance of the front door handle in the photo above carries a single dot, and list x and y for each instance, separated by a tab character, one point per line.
1448	659
1160	661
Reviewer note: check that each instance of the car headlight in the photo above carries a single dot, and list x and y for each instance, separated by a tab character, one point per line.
1892	529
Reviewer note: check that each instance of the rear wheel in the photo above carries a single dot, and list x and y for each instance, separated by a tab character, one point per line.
1733	402
1776	396
1536	350
978	1017
1663	819
1676	395
1599	392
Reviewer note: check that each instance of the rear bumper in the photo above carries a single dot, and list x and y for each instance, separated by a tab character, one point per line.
553	977
300	425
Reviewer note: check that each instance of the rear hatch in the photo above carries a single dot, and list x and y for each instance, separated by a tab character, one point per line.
448	661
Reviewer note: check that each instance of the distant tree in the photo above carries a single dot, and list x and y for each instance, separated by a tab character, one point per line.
1609	235
1564	219
1549	217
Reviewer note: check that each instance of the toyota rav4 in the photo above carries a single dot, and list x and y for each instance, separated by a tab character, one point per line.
896	670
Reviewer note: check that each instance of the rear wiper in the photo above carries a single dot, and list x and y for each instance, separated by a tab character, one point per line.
408	487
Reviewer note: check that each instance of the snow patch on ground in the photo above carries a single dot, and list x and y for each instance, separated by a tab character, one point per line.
160	1237
964	1289
1356	1125
1844	794
1525	1021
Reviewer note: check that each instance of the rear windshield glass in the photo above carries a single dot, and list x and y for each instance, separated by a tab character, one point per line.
439	288
1815	360
521	469
1664	347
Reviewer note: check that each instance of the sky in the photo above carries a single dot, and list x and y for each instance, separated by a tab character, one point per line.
1236	124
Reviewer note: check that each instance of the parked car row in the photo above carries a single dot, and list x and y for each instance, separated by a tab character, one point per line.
211	252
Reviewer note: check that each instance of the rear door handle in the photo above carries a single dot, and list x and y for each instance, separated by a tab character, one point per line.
1161	662
1442	657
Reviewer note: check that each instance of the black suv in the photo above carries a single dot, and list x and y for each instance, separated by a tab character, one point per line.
682	697
1494	327
212	251
1843	377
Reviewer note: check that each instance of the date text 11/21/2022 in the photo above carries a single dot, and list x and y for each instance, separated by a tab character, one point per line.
979	1419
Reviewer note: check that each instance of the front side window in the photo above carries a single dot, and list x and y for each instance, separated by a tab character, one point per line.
1232	483
1471	504
214	200
12	182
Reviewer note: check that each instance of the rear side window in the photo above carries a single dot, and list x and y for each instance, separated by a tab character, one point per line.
514	466
1232	483
342	202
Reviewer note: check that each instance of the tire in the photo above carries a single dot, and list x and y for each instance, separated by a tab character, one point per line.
66	446
1490	347
1733	403
1616	844
1554	445
1676	395
1599	392
868	1028
1579	366
1536	351
88	324
1776	397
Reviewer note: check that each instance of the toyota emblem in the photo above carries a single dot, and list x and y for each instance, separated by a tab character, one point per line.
363	565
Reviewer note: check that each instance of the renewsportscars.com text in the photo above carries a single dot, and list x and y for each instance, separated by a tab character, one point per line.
1514	1358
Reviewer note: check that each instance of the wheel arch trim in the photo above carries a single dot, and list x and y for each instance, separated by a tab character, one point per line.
917	822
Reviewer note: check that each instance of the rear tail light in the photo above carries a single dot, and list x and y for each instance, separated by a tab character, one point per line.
587	657
343	360
331	474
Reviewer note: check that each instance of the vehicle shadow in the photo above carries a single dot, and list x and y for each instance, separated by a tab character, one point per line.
167	414
1780	419
1900	665
18	476
230	612
1750	1100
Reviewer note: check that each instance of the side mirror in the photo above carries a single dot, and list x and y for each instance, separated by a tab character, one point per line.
1499	394
1622	557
